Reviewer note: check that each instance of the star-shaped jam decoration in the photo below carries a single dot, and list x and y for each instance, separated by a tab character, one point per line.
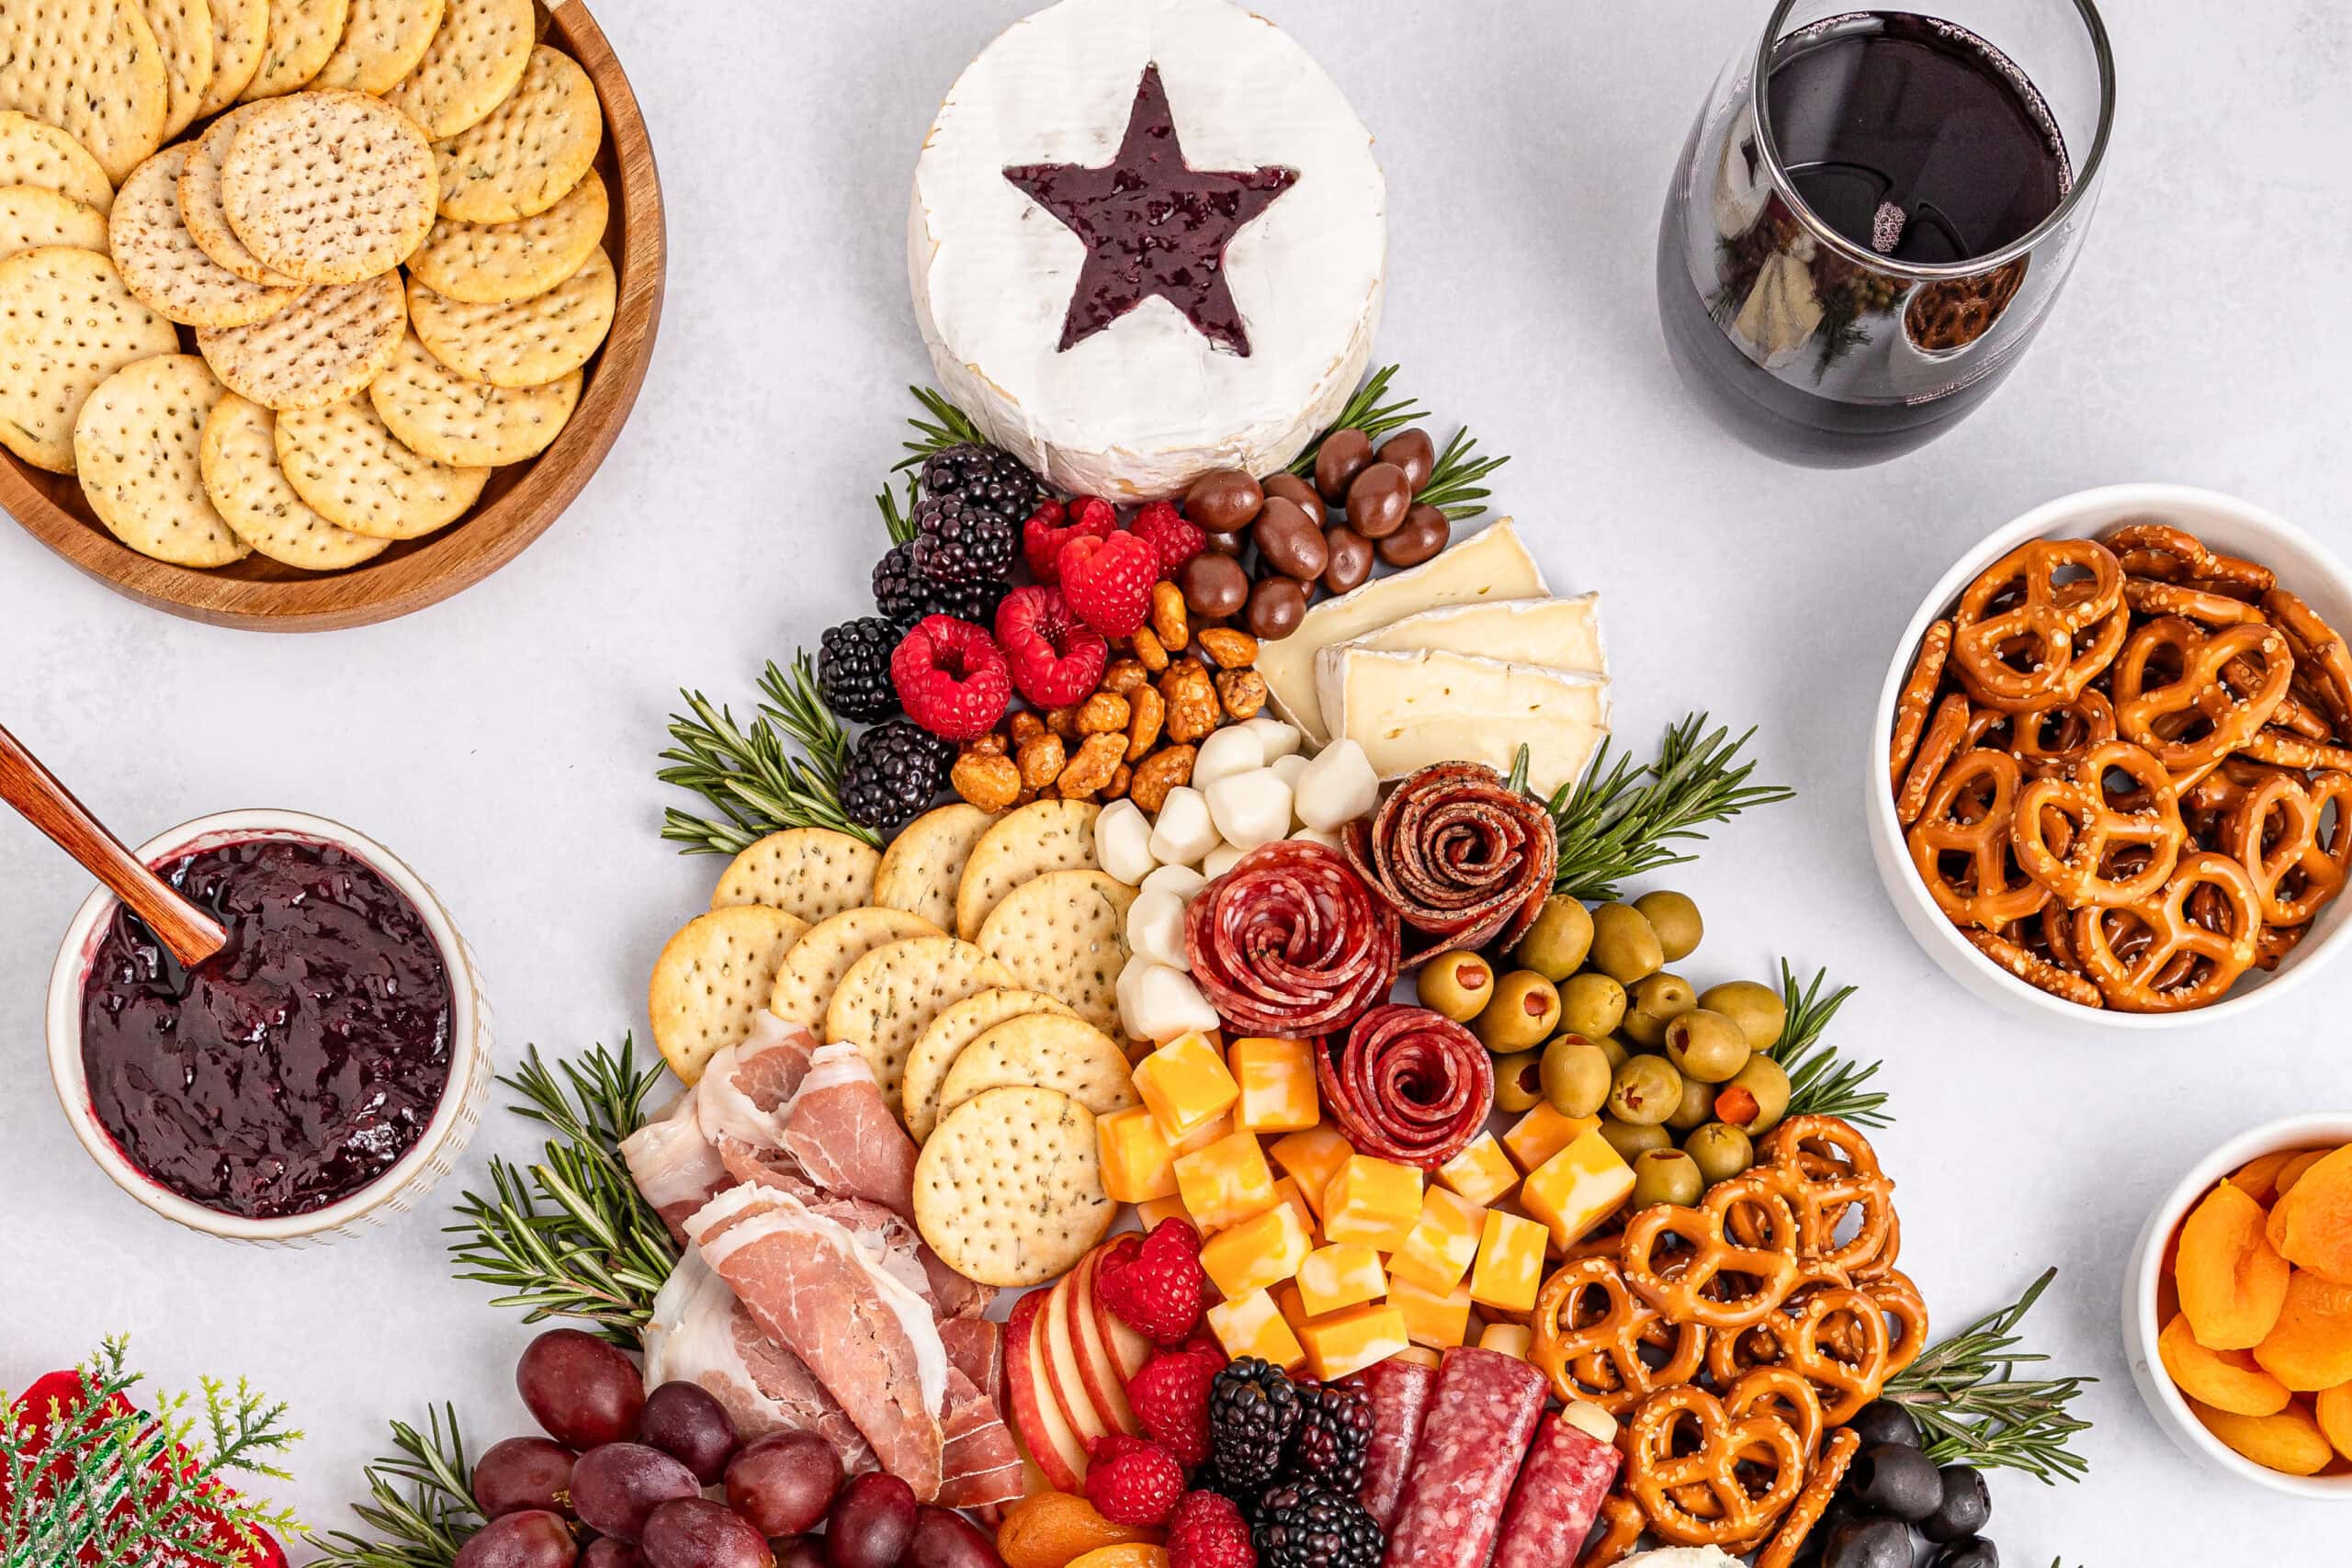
1153	224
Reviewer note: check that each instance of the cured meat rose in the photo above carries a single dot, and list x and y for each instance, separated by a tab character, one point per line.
1400	1397
1567	1472
1290	941
1409	1085
1479	1420
1464	859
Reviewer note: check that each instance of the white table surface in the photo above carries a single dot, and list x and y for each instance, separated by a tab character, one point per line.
503	742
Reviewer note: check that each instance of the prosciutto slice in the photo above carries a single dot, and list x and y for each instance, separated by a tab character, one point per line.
675	1168
978	1464
840	1128
950	1294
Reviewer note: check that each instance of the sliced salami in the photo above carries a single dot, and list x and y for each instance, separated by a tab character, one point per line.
1466	859
1290	941
1400	1396
1479	1421
1566	1474
1408	1084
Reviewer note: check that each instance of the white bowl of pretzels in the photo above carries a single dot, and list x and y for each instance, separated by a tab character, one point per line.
2110	775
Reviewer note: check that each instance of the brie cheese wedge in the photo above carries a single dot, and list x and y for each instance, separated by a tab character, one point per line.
1559	634
1410	709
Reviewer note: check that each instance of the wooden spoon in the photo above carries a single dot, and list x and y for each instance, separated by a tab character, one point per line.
192	935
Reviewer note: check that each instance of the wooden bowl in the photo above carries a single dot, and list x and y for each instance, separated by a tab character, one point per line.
520	500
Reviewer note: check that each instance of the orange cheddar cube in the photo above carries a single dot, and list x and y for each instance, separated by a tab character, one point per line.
1349	1341
1225	1182
1376	1202
1510	1339
1260	1251
1253	1325
1277	1082
1576	1189
1138	1162
1542	1133
1439	1319
1288	1189
1151	1211
1286	1302
1185	1085
1341	1275
1208	1132
1438	1251
1509	1266
1481	1172
1314	1157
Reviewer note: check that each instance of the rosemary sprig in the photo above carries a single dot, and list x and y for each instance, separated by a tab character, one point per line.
1368	412
422	1526
1972	1408
1454	485
570	1237
900	523
947	426
1622	821
748	776
1821	1082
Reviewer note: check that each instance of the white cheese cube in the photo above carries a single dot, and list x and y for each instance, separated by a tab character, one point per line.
1337	788
1123	841
1230	751
1219	861
1155	926
1180	880
1161	1003
1288	767
1183	833
1250	809
1316	835
1280	739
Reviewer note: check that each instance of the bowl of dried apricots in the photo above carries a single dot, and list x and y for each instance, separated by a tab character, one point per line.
2237	1308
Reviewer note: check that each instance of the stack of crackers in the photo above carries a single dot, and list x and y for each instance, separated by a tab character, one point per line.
332	404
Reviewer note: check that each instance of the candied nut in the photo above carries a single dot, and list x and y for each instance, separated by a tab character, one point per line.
1098	758
1158	774
1041	760
1102	712
989	745
1121	777
990	782
1025	796
1243	691
1125	675
1232	649
1167	615
1148	650
1026	727
1063	722
1148	711
1192	701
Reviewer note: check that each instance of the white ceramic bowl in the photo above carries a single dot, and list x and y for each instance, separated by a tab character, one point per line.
2232	527
2164	1402
399	1188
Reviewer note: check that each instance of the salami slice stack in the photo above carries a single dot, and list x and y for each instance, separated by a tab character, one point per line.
1479	1421
1401	1393
1290	941
1408	1084
1464	859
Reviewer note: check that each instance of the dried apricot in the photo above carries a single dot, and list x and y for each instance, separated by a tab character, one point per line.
2258	1178
2292	1171
2231	1281
2333	1409
2289	1443
2312	1226
1129	1556
2310	1348
1055	1529
2226	1380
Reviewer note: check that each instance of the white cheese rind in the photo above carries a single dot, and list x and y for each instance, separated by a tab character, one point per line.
1409	709
1558	634
1141	409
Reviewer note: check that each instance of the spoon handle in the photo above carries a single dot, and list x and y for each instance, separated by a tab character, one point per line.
191	934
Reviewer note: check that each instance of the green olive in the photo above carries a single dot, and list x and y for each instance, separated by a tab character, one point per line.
1645	1089
1633	1139
1722	1151
1698	1106
1652	1004
1555	944
1758	1095
1625	947
1665	1175
1577	1075
1758	1009
1675	920
1591	1004
1456	983
1524	1009
1616	1049
1519	1081
1705	1045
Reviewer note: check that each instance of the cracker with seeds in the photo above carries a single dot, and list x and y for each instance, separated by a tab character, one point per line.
138	447
92	69
709	981
813	873
163	266
936	1049
805	986
329	186
200	205
354	472
183	30
249	490
33	152
924	865
302	33
33	216
494	263
527	343
528	152
326	345
66	324
1009	1188
1043	836
439	413
891	995
240	39
1048	1051
382	41
1065	933
477	55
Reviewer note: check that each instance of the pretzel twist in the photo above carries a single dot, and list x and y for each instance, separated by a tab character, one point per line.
2077	872
1970	812
1679	1290
1806	1513
1622	1523
2160	713
1596	1355
1668	1482
2162	972
2018	641
1828	1170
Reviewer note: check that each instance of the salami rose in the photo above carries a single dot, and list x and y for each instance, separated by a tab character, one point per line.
1409	1085
1464	859
1290	941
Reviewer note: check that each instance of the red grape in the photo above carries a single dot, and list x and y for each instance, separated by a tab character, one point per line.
799	1551
695	1532
684	1421
945	1538
870	1523
523	1473
615	1486
534	1539
605	1552
582	1389
785	1482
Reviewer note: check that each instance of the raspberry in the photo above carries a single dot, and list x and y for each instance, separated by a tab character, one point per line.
1167	530
1056	660
1131	1481
951	678
1156	1289
1171	1397
1206	1530
1054	524
1108	581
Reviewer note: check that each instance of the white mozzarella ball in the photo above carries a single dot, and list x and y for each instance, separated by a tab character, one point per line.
1337	788
1123	841
1220	860
1250	809
1165	1004
1316	835
1155	926
1180	880
1280	739
1228	751
1184	832
1288	767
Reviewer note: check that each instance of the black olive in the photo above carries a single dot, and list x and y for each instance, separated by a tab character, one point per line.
1974	1552
1966	1506
1868	1543
1899	1483
1883	1421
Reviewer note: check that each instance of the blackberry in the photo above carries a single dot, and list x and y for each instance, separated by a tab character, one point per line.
898	586
895	770
853	668
989	475
1314	1527
1334	1434
959	539
973	602
1253	1409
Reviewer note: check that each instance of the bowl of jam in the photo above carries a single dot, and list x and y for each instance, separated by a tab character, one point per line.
315	1076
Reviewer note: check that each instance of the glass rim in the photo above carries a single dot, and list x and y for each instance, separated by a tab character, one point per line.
2085	178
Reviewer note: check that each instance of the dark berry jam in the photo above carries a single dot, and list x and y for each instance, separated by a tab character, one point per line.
295	1066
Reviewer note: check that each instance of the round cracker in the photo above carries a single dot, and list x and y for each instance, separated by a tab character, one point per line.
438	412
329	186
200	208
345	462
249	490
1049	1051
527	343
66	324
891	995
813	873
805	986
477	55
91	68
323	348
163	266
33	216
302	33
1043	836
183	30
33	152
935	1050
709	981
1065	933
492	264
240	39
924	863
138	446
526	154
382	41
1008	1187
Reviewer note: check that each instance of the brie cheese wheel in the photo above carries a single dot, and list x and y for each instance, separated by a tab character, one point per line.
1559	634
1141	406
1409	709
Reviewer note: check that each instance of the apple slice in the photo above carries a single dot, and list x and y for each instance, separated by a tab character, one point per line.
1129	1348
1062	1371
1106	1384
1057	1449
